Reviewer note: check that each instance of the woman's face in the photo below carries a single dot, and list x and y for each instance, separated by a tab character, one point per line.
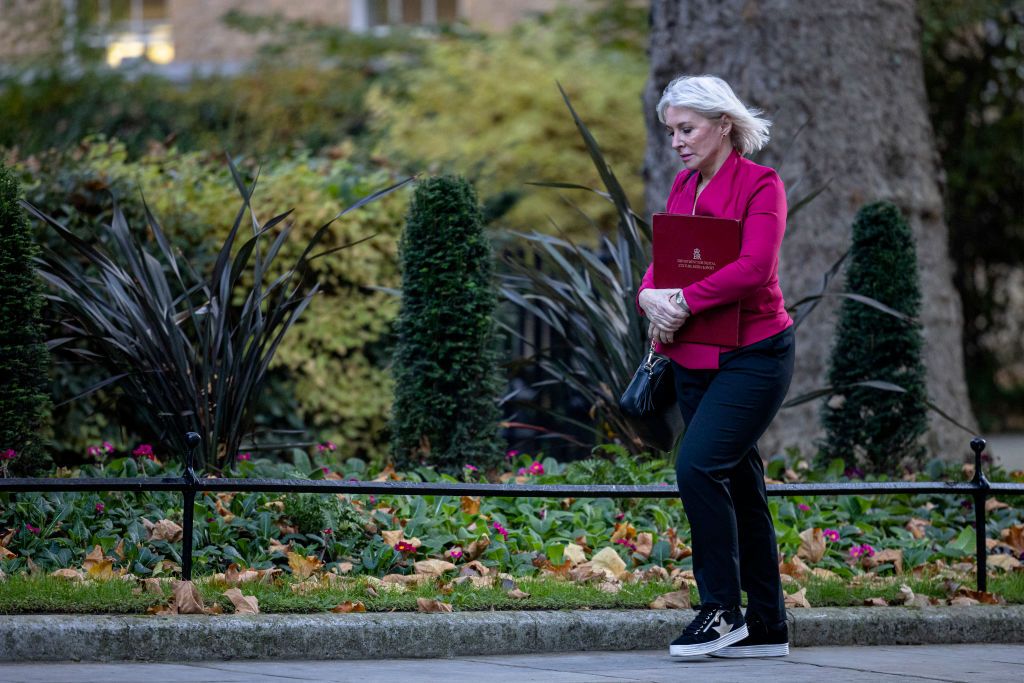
697	140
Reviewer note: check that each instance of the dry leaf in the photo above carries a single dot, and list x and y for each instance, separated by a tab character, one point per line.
234	577
1007	563
69	574
904	596
609	586
343	567
655	573
165	530
796	567
883	557
433	567
275	546
993	504
921	601
574	554
963	601
348	606
985	598
187	599
673	600
477	548
303	566
826	574
387	473
798	599
517	594
608	561
470	505
875	602
917	526
474	568
1014	536
432	606
644	544
102	570
812	545
406	580
154	586
244	604
393	537
6	554
625	530
586	573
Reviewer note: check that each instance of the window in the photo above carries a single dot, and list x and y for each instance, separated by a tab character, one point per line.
380	14
130	29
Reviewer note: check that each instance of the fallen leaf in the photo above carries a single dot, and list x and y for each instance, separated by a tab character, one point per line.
244	604
154	586
405	579
963	601
102	570
1014	536
234	577
348	606
673	600
303	566
586	573
392	537
69	574
574	554
165	530
904	596
387	473
895	556
875	602
477	547
119	549
917	527
432	606
517	594
6	554
644	544
275	546
625	530
608	561
343	567
474	568
187	599
470	505
798	599
826	574
94	557
1007	563
433	567
921	601
993	504
985	598
559	571
609	587
812	545
796	567
655	573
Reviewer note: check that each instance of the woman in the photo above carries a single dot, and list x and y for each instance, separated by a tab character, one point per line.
727	396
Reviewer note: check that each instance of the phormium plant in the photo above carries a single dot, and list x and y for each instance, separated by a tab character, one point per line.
190	350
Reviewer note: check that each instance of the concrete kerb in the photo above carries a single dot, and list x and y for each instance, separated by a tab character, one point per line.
401	635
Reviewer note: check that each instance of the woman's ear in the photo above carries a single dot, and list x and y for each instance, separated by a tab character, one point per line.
725	125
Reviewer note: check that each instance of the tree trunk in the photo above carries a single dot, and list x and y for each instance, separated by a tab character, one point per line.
844	85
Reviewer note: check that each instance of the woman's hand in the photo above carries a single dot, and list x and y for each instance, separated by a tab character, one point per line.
665	314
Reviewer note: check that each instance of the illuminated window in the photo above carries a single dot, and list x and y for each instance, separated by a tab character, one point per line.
379	14
130	29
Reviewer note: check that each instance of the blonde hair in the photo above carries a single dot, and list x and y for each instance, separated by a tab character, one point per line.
711	97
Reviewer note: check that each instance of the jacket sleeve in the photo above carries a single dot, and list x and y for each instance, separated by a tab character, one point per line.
764	223
648	281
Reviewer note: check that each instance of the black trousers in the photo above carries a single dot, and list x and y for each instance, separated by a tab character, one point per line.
721	477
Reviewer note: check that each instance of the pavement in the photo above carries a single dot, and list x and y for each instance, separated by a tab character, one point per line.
879	664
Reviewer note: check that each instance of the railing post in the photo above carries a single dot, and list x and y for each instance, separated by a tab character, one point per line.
980	496
190	481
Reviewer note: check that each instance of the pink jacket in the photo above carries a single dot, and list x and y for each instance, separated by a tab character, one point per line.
753	194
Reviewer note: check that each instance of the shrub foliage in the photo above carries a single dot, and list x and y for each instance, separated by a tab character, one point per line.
25	400
866	427
445	370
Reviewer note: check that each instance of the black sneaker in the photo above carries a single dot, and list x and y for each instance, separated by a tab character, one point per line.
714	627
763	641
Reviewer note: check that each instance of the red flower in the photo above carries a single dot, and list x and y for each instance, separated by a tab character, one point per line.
405	547
144	451
536	467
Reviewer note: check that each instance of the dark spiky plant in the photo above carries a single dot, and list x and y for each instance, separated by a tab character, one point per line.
447	382
191	351
878	430
24	361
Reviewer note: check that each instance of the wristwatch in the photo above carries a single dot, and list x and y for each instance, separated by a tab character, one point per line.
681	301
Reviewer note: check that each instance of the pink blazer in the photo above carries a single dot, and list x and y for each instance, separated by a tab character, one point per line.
753	194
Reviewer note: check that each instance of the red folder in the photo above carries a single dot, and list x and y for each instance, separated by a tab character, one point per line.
688	249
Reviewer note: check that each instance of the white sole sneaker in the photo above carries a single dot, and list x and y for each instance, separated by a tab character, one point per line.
780	650
710	646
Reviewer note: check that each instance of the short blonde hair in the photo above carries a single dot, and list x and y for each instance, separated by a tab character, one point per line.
711	97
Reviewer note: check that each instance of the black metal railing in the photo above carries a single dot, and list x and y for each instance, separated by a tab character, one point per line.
979	489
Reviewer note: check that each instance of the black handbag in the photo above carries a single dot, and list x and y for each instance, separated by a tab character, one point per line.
650	402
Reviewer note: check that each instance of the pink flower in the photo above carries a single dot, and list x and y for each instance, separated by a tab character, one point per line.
863	550
455	554
373	500
619	517
405	547
327	532
100	508
536	467
501	530
144	451
108	447
327	446
511	454
804	507
9	454
31	529
93	451
522	472
325	469
626	542
471	468
245	456
831	535
868	550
